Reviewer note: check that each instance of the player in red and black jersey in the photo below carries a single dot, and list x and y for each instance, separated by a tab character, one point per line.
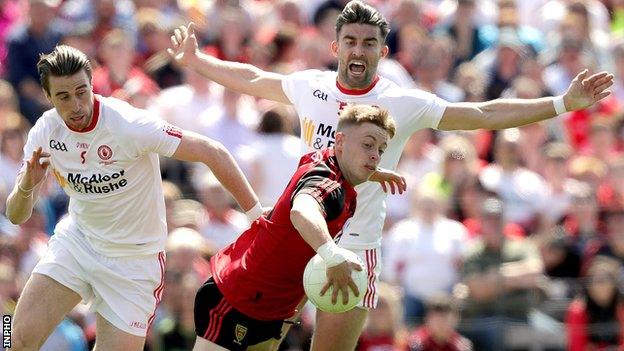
257	280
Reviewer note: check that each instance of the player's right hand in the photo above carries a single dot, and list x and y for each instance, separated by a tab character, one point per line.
339	278
184	45
36	168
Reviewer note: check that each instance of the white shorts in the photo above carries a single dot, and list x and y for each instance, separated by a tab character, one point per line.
372	261
124	290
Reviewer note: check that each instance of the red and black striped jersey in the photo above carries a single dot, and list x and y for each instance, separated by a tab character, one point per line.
260	274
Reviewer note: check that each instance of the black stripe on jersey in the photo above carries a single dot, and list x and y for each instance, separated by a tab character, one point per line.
323	184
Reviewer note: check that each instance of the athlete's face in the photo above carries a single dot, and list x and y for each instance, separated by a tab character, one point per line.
72	96
359	48
358	149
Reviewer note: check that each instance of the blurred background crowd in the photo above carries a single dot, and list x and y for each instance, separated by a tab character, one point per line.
512	239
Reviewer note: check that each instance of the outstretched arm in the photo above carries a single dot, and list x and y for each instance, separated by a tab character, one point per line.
506	113
240	77
197	148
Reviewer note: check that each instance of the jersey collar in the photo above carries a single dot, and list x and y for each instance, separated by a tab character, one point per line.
94	119
357	91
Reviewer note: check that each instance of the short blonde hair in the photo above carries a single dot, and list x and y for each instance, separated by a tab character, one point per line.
358	114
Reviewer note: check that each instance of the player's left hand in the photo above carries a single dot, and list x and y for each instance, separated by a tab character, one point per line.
389	179
585	91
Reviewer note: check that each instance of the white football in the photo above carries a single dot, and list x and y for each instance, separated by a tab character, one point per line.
315	277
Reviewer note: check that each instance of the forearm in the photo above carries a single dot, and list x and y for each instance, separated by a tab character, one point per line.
240	77
496	114
311	226
508	113
229	174
232	75
19	206
198	148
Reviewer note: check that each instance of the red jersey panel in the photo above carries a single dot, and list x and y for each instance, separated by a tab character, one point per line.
261	273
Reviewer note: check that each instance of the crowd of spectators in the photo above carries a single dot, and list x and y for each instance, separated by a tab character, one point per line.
512	239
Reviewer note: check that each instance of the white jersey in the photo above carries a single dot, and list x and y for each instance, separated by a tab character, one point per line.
318	100
111	173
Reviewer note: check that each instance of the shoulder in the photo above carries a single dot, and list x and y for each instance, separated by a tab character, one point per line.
125	120
111	104
313	165
311	75
392	90
120	113
47	122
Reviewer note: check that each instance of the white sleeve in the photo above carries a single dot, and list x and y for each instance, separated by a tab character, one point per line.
152	134
294	83
425	110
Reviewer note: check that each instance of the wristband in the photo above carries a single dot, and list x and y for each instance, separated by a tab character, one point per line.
254	212
23	191
331	254
560	107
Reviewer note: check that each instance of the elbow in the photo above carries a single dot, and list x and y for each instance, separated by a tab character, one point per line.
214	153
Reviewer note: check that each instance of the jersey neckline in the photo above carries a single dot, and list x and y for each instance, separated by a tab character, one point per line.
348	91
94	120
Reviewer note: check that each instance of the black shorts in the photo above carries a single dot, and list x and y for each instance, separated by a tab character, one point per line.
217	321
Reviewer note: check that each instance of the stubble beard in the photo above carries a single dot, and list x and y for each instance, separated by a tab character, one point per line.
357	83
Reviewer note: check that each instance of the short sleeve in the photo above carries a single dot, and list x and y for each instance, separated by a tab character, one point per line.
327	192
424	110
294	83
153	134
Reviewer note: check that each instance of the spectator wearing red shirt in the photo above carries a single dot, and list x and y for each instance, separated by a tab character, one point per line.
118	76
384	326
595	321
438	333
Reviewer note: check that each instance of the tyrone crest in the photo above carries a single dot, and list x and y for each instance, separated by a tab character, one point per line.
105	152
240	331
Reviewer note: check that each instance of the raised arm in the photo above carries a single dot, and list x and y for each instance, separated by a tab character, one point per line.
240	77
24	195
197	148
506	113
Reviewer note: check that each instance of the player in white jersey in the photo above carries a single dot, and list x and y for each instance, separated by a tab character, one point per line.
318	97
109	250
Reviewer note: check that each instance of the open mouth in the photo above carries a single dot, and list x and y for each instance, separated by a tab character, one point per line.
370	168
357	68
78	119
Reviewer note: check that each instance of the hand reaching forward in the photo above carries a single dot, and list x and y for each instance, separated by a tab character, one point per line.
584	91
184	45
394	180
